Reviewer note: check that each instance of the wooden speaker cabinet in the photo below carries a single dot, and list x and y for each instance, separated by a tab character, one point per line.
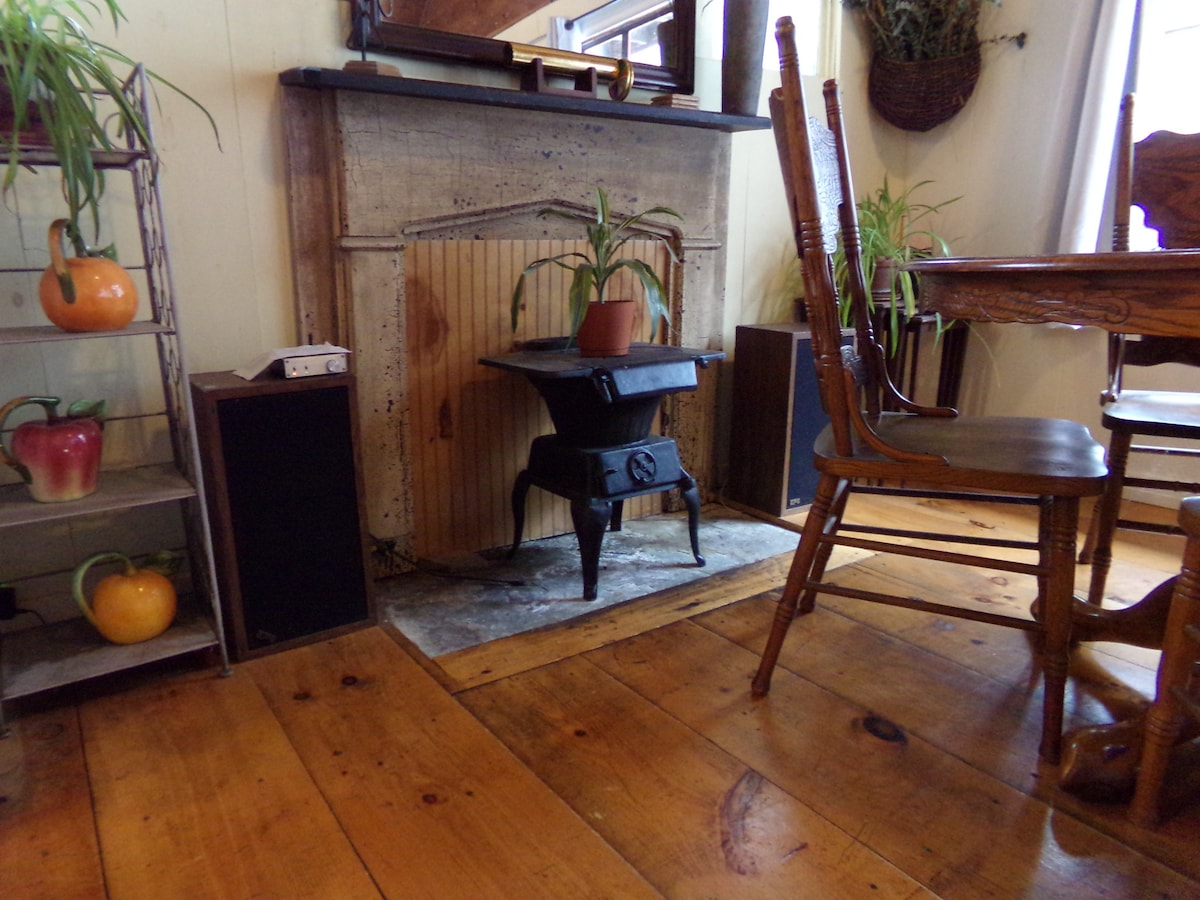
776	416
279	458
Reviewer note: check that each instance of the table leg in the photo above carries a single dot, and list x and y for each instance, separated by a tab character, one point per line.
1100	762
1142	624
954	354
591	518
1105	514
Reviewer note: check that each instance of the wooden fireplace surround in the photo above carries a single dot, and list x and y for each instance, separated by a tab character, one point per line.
377	164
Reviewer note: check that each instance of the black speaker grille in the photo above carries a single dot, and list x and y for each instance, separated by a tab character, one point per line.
289	463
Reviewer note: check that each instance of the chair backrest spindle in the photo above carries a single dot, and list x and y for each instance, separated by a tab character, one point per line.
812	232
1161	175
820	195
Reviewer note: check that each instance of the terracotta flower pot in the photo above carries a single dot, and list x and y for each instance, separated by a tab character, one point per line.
34	134
607	328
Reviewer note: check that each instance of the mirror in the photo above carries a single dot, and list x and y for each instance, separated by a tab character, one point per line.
415	27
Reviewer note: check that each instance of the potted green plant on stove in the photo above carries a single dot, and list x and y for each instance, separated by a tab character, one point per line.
67	91
590	306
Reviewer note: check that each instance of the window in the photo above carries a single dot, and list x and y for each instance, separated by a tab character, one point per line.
629	29
621	29
1165	72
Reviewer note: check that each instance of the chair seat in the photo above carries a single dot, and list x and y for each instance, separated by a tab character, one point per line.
1021	455
1160	413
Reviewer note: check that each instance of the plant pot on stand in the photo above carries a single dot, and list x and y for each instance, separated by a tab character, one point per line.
607	328
34	133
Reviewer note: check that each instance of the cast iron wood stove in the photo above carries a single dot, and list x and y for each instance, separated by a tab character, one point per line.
602	452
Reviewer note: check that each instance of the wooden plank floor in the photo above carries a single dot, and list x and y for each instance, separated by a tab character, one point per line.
617	756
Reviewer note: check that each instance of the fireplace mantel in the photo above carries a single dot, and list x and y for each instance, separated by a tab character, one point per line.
339	80
383	171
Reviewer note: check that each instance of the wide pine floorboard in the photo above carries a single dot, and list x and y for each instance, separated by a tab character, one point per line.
618	755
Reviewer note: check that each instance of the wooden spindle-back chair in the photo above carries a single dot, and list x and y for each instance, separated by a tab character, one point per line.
1160	174
918	451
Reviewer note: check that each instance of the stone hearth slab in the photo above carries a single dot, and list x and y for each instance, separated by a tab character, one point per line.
469	600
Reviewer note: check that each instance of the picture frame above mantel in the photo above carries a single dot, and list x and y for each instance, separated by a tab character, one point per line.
381	26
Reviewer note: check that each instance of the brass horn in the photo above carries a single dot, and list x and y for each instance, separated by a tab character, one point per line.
618	72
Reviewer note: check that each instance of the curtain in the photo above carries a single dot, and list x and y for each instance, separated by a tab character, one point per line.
1107	64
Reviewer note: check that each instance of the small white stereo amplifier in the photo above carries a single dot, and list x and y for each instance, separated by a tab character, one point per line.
320	364
297	362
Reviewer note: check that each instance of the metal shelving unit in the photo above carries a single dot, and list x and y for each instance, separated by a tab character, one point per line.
62	653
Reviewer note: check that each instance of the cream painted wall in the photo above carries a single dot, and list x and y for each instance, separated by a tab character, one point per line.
226	210
1004	155
227	224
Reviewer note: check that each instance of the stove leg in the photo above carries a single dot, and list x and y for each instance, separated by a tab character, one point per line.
519	492
591	518
618	509
691	499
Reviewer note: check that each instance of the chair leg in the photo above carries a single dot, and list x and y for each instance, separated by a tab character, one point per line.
1089	540
836	510
1166	718
1108	509
802	564
1060	519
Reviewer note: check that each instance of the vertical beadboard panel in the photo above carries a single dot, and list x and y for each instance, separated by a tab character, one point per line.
471	424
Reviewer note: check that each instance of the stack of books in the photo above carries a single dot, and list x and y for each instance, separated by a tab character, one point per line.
676	101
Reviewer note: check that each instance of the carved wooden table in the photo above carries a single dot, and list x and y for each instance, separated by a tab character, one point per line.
1154	293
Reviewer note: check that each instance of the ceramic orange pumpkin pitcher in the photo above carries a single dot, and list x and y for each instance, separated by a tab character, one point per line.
85	293
129	606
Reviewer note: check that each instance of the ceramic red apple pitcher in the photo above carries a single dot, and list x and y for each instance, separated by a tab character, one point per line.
58	458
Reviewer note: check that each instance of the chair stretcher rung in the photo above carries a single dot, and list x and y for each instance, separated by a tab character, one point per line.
1178	487
962	559
1148	527
1012	499
958	612
1160	450
1009	544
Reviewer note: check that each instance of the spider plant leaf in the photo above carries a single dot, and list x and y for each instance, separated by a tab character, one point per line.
580	295
518	295
49	60
652	286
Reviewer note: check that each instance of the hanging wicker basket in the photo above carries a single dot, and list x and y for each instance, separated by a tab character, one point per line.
918	95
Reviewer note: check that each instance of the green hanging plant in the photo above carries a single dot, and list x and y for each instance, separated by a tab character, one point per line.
891	232
61	81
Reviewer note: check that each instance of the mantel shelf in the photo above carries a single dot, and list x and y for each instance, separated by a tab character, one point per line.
336	79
